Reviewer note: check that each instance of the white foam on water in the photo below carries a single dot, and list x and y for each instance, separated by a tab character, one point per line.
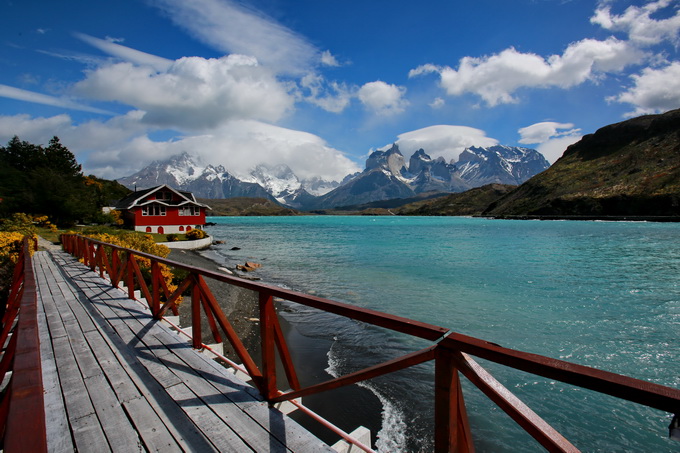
392	434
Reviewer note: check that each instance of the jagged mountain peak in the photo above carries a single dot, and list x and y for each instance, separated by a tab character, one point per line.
386	175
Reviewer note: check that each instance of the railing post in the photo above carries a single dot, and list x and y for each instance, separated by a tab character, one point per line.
155	289
196	335
115	267
452	430
130	278
267	314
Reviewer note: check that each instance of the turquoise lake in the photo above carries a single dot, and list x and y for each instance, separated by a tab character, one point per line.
602	294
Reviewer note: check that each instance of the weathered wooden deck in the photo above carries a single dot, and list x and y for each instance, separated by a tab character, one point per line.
117	380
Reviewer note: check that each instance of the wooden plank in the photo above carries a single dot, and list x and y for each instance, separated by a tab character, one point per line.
86	430
117	428
152	430
164	365
209	379
161	421
88	434
222	436
192	380
57	429
171	419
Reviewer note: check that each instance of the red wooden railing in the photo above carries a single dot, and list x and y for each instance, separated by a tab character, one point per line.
22	409
450	351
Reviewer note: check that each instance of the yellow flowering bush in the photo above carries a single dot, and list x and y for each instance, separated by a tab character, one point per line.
10	246
117	217
195	234
44	221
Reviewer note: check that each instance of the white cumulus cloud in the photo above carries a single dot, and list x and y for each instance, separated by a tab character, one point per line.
496	78
544	131
552	138
639	25
330	96
35	130
328	59
445	141
653	91
194	92
383	98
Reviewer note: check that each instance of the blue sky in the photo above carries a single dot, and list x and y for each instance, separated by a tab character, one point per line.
318	85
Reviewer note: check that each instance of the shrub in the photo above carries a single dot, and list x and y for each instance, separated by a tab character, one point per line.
10	245
19	223
196	234
172	237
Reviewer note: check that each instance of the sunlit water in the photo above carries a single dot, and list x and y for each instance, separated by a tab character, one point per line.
602	294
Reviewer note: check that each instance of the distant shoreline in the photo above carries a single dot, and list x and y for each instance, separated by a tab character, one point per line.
612	218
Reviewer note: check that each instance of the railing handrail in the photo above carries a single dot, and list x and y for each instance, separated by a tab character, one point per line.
448	353
23	403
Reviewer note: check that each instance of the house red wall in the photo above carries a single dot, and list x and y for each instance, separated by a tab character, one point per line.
171	221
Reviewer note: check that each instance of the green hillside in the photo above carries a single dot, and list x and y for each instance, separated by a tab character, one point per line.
630	168
242	206
471	202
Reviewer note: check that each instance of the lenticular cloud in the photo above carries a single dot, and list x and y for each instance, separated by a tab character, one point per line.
443	141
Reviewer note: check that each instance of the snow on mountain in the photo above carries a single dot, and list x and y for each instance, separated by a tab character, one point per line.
185	172
317	186
385	176
500	164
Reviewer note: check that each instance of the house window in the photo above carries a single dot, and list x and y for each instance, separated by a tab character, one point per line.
190	210
160	230
163	195
181	228
153	209
148	229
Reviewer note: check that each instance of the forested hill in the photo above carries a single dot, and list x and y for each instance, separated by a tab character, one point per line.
630	168
48	181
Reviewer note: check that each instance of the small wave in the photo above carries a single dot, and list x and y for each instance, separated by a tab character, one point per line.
392	434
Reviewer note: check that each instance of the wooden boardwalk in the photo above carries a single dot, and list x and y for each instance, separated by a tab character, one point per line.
117	380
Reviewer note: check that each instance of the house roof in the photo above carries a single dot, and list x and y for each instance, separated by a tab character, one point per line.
138	198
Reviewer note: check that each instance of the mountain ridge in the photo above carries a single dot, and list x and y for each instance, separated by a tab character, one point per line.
630	168
385	176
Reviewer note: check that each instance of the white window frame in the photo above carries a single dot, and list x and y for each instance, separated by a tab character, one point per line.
154	210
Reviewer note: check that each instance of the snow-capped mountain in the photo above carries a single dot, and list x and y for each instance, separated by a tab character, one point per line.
184	172
385	176
281	183
274	182
175	171
500	164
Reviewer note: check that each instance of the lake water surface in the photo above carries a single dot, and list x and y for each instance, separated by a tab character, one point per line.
602	294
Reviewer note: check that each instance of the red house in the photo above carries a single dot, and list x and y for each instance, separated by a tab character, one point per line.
162	210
